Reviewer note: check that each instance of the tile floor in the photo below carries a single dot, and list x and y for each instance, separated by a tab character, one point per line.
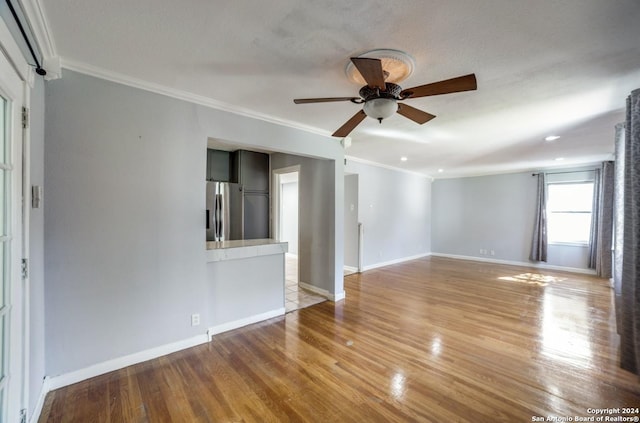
296	297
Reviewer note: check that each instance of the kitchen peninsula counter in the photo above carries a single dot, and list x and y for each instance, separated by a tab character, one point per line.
243	248
245	282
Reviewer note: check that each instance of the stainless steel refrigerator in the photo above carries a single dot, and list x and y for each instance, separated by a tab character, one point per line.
233	213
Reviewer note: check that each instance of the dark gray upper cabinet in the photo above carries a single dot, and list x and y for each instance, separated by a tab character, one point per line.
251	170
218	165
256	215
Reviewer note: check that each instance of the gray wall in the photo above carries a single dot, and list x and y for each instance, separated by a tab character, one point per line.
36	248
257	283
351	220
489	212
395	209
316	196
124	228
492	213
289	216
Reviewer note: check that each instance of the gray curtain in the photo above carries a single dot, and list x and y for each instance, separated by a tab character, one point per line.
539	240
595	220
618	221
630	304
604	256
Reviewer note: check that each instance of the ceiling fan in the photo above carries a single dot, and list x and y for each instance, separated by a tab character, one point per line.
381	98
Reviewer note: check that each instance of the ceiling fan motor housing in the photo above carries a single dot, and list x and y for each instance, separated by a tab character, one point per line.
392	91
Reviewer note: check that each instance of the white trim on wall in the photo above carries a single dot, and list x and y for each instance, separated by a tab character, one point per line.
384	166
40	27
588	165
395	261
329	296
37	410
518	263
98	369
225	327
130	81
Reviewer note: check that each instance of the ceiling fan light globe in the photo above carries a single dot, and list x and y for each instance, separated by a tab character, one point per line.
380	108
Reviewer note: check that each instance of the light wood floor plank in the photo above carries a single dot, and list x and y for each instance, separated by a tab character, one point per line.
431	340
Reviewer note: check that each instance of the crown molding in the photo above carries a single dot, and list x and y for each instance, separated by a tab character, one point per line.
573	167
37	23
384	166
130	81
40	28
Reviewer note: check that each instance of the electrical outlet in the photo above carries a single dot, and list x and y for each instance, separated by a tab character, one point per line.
195	319
493	253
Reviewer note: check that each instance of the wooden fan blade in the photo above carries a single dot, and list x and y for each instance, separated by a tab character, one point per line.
346	129
371	71
453	85
323	100
414	114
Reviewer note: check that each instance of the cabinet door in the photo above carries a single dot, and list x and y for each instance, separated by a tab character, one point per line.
254	170
256	216
218	165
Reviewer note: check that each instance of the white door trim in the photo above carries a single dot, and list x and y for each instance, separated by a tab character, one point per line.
275	207
15	76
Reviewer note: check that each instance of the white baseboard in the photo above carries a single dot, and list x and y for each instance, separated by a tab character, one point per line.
320	291
225	327
37	410
98	369
338	297
314	289
396	261
518	263
351	269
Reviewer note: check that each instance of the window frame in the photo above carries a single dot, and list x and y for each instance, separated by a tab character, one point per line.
586	243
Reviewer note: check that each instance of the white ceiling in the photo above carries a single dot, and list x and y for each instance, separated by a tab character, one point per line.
543	67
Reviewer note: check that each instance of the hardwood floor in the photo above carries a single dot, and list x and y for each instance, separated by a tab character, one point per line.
432	340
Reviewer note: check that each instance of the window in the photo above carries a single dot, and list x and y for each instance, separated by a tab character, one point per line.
569	212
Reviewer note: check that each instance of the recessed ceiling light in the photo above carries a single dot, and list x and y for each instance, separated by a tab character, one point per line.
559	159
552	137
403	158
440	170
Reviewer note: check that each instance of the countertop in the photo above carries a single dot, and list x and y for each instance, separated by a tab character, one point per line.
238	249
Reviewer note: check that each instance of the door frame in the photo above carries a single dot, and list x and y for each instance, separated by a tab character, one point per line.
16	78
276	203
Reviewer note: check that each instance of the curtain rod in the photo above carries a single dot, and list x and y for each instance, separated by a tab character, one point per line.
39	69
562	173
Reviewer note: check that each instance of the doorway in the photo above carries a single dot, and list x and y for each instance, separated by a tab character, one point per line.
286	227
352	228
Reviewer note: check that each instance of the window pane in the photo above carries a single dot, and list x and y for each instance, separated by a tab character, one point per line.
3	343
570	197
3	201
2	275
569	227
3	128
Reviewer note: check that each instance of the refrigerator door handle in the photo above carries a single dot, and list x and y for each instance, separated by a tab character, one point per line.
218	218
